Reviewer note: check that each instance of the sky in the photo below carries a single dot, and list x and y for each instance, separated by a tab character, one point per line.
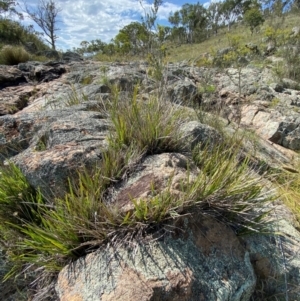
86	20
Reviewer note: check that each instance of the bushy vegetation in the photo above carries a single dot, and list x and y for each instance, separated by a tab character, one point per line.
288	183
13	33
13	55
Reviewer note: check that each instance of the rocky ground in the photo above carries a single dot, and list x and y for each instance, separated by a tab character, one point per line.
50	126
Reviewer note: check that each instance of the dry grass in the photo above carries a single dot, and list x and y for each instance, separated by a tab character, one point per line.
288	183
192	51
13	55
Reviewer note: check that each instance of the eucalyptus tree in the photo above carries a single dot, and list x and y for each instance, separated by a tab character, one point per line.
133	38
253	16
231	10
214	16
193	18
46	17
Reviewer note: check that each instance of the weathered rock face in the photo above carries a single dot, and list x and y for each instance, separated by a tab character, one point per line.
195	133
42	72
52	126
276	259
14	99
184	91
273	125
10	76
251	96
71	56
163	172
199	260
49	146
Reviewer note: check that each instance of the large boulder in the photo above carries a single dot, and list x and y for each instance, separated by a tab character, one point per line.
51	54
197	259
195	133
71	56
42	72
10	76
184	92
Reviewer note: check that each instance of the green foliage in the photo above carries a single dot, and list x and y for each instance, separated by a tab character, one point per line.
7	7
235	54
204	61
214	14
192	20
104	79
273	104
87	80
132	39
152	125
288	183
13	33
13	55
291	54
253	18
156	67
207	89
276	35
289	67
18	198
74	98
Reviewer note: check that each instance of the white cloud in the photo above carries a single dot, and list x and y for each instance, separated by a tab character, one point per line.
165	10
98	19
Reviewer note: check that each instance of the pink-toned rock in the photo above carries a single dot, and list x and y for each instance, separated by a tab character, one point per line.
159	173
273	125
197	259
13	99
10	76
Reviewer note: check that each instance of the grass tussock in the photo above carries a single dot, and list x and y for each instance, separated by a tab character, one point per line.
49	233
13	55
151	125
288	183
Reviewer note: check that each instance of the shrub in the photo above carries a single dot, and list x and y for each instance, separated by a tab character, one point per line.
253	18
275	35
13	55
